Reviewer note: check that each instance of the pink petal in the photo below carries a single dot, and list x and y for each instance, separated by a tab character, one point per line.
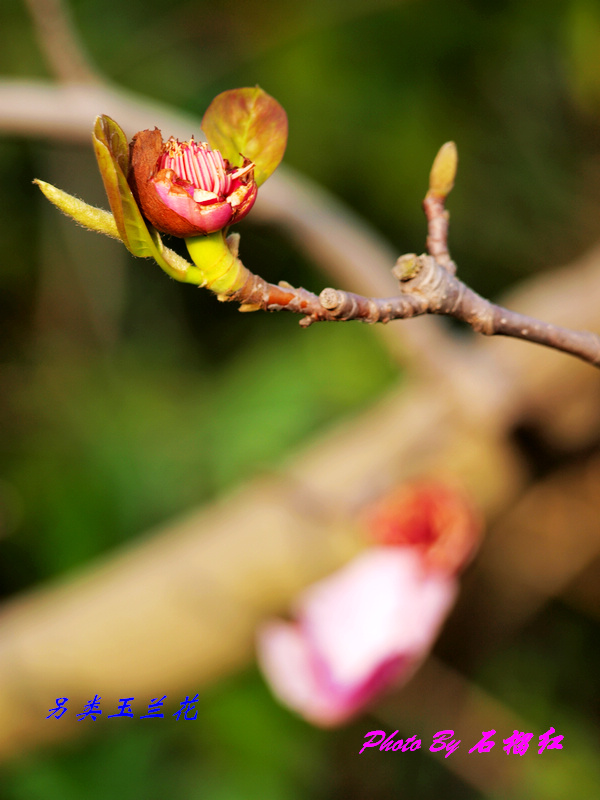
379	607
285	660
206	218
359	630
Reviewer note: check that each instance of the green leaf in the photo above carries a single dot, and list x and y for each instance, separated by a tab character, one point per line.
112	154
247	122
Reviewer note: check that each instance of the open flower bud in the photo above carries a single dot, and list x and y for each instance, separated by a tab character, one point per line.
187	189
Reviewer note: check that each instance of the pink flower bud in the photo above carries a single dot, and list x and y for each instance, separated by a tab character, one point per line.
359	630
187	189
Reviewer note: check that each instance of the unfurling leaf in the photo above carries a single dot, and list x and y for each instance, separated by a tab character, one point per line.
247	123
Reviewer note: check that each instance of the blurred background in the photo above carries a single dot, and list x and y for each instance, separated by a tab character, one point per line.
127	399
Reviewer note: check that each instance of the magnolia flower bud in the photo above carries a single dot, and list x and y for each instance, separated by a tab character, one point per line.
368	626
360	630
185	188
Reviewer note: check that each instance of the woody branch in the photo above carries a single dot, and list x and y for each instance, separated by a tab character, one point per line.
427	288
428	285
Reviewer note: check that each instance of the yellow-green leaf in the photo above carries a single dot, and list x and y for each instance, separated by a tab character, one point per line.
95	219
110	146
101	221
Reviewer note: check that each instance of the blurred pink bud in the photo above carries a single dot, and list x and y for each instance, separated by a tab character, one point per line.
358	631
187	189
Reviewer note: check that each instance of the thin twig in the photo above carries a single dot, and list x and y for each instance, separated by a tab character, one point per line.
437	227
494	320
441	181
427	288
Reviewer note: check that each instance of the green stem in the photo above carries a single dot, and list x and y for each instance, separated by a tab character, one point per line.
222	271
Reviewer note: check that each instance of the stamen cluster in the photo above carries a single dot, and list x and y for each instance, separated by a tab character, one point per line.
197	163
